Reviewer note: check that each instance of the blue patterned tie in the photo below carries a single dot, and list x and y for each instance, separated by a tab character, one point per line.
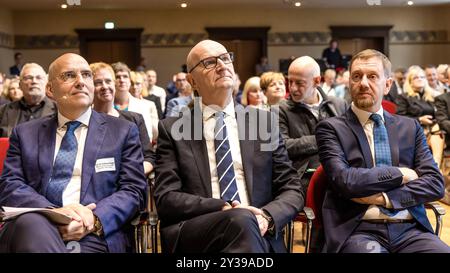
224	160
382	151
64	163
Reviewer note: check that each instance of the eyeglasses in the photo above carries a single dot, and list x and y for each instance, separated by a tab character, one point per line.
29	78
71	76
211	62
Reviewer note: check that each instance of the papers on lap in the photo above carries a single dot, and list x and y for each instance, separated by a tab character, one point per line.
10	213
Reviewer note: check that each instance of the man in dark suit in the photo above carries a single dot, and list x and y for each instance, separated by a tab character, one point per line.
17	67
79	162
221	186
34	103
380	171
396	86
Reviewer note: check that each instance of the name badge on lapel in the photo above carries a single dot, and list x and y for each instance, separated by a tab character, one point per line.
105	165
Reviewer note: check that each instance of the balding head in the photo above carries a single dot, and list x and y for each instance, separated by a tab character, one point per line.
306	63
215	82
304	77
71	85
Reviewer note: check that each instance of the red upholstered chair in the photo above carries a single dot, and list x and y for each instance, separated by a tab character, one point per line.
389	106
312	213
4	145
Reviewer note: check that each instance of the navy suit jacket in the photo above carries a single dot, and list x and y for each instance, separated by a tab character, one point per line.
346	158
183	180
119	195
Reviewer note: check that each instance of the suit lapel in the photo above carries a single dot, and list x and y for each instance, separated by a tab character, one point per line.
247	152
358	130
393	138
200	152
94	139
46	149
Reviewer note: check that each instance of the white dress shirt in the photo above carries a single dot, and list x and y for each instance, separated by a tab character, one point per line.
140	107
71	194
161	93
209	123
373	212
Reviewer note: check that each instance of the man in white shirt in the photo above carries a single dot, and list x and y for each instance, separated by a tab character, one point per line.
217	188
380	171
153	89
81	163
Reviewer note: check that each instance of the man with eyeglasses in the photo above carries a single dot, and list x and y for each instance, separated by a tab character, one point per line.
218	189
175	105
81	163
34	103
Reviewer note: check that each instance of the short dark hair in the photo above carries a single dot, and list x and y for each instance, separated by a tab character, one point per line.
371	53
17	54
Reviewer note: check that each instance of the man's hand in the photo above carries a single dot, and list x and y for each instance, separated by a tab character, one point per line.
80	213
376	199
426	120
408	174
262	222
74	231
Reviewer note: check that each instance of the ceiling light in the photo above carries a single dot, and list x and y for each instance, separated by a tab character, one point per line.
298	4
183	5
64	6
410	3
109	25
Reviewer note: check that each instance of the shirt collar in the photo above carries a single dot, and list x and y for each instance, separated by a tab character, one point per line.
363	116
84	118
209	111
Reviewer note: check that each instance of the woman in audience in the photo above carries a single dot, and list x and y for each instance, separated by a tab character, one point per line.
252	95
273	86
417	102
104	83
12	90
136	89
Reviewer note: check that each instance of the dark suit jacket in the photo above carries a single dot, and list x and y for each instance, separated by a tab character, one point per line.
393	93
346	158
119	194
10	114
413	107
183	182
442	103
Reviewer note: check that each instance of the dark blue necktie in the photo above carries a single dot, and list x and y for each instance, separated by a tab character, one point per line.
382	151
224	160
64	163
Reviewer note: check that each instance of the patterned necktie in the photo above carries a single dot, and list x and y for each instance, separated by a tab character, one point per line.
64	163
224	160
382	151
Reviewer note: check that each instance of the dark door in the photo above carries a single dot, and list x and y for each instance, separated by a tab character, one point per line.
246	56
110	51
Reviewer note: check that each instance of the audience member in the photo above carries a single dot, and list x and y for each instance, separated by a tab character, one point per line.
332	55
397	85
329	78
252	94
272	84
175	106
154	90
34	103
123	100
221	192
299	115
50	164
262	66
17	67
380	171
104	93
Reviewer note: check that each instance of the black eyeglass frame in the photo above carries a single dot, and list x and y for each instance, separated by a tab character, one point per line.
231	54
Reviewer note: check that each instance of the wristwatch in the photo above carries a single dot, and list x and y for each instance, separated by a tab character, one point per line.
271	226
98	228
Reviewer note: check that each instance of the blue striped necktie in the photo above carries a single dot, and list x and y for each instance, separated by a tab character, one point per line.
224	160
382	151
64	164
